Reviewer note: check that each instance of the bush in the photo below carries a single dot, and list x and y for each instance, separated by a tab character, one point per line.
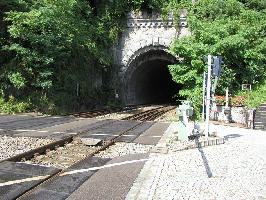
238	101
230	28
233	101
12	106
220	100
256	97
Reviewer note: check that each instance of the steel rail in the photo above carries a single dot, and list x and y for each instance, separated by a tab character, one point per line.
149	115
153	114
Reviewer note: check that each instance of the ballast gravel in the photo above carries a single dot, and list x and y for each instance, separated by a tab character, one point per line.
122	149
11	146
128	113
64	157
170	116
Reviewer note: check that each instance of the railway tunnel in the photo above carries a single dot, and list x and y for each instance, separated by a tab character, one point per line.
148	80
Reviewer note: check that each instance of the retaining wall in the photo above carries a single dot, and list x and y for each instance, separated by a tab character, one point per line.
240	114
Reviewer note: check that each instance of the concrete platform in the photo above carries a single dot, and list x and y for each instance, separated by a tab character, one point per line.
133	134
56	131
62	186
153	134
111	182
16	178
12	118
108	132
32	123
62	130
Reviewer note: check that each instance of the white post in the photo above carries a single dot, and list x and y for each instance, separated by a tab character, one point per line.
226	98
208	97
203	97
226	109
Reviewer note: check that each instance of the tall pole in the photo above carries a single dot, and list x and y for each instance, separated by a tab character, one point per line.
203	97
226	97
208	97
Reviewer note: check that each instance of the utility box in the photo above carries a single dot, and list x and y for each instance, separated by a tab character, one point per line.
184	111
186	107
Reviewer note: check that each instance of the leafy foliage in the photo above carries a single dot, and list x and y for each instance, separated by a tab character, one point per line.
231	28
255	97
13	106
50	47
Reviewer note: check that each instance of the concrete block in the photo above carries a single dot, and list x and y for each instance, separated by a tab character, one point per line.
90	141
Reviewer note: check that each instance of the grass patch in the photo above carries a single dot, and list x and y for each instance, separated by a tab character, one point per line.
255	97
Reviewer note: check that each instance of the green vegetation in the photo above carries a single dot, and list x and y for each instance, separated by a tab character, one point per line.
49	48
255	97
13	106
235	29
53	51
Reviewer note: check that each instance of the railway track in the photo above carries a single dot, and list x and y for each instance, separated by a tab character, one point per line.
74	142
150	114
100	112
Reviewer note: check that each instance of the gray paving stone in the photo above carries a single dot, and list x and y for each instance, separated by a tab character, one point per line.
238	170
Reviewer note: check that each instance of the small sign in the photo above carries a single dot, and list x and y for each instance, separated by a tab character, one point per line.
246	87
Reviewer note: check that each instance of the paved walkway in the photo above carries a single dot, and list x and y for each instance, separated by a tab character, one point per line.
234	170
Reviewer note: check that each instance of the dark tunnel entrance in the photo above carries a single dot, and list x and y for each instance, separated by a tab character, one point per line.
150	81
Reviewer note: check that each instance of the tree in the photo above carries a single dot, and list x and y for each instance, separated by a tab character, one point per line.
50	46
234	29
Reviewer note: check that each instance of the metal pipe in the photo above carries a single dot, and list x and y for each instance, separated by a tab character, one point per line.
208	98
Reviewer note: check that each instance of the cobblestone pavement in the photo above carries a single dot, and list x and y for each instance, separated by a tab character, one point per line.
234	170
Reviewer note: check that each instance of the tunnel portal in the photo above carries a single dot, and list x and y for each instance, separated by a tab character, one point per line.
149	80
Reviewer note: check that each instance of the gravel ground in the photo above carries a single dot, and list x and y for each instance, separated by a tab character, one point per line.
64	157
11	146
118	115
122	148
168	117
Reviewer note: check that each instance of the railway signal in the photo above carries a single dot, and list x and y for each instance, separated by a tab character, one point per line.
217	66
213	74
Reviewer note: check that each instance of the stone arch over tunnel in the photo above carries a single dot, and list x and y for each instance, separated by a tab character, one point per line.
147	78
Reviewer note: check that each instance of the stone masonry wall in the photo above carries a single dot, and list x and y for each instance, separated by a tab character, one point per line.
240	115
144	30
